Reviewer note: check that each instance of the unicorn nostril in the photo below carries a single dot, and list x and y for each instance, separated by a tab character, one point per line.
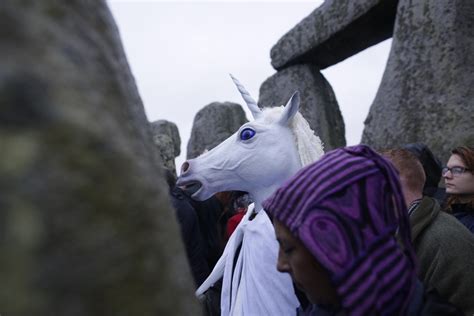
184	167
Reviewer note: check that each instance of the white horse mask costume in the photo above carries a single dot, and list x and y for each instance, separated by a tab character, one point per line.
257	159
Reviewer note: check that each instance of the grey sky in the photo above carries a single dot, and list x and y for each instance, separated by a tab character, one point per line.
182	52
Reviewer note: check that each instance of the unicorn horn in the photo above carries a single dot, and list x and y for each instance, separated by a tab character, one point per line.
252	105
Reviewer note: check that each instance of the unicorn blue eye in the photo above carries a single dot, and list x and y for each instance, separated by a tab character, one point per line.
247	133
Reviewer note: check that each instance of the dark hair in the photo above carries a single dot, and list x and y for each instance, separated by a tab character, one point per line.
431	164
466	154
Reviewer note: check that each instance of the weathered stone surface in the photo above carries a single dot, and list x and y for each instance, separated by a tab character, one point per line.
212	125
166	138
335	31
427	91
85	222
318	103
164	127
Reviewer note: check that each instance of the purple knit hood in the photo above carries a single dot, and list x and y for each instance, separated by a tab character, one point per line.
348	210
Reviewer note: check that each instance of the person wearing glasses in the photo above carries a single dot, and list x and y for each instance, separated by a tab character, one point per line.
459	181
443	246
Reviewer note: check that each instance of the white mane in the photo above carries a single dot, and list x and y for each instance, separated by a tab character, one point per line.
309	146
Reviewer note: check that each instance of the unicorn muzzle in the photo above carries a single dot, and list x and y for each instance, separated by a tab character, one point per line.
186	181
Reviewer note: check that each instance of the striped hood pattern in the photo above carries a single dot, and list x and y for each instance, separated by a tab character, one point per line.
348	210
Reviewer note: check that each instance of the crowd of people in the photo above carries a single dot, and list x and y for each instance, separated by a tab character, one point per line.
360	232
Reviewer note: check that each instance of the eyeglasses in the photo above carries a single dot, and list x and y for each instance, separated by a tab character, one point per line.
455	171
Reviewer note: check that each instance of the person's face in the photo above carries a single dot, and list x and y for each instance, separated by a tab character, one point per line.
461	184
306	272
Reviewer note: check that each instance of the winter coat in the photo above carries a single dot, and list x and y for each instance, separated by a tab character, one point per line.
208	213
189	225
464	214
445	251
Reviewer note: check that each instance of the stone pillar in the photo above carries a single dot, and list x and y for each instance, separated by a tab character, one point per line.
212	125
166	138
86	227
318	103
427	90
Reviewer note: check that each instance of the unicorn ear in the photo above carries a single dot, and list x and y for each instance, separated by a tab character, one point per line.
290	109
252	105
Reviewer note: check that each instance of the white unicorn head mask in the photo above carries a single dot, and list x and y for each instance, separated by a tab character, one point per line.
259	156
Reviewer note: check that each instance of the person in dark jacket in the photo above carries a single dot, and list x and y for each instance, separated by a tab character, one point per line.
459	180
209	213
443	246
190	232
344	237
432	167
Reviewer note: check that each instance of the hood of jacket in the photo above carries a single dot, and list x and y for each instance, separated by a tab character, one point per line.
423	216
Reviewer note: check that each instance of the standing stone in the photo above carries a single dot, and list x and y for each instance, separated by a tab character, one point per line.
427	90
85	222
166	138
318	103
212	125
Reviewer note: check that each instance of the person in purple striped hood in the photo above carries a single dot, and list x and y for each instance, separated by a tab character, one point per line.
344	237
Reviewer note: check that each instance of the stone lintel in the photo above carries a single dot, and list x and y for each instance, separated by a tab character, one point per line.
336	30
